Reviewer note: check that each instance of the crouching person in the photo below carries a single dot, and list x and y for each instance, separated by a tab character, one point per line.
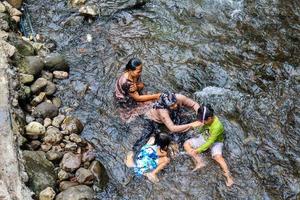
151	158
211	137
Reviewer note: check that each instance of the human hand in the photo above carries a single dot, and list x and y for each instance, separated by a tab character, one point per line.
140	85
133	87
193	152
196	124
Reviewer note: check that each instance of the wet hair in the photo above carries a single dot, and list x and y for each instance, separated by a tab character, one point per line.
133	63
162	140
204	112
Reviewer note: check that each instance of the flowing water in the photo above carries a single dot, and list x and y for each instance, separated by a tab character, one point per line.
241	56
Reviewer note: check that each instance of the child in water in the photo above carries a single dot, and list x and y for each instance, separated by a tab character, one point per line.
211	136
152	158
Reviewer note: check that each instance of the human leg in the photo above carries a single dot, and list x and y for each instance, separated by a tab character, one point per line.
162	163
188	147
217	156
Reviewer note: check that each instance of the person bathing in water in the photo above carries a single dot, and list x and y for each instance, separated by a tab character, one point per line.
211	136
128	86
152	158
166	111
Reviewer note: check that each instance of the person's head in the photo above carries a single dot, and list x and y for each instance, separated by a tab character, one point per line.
162	140
134	66
167	100
205	114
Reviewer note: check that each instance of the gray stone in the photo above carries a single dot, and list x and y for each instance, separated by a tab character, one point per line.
46	147
2	8
88	156
45	110
38	99
47	75
78	192
75	138
55	61
71	146
38	85
72	125
26	78
63	175
57	101
35	128
99	171
31	65
22	46
15	12
35	144
88	11
75	3
84	176
70	162
4	22
47	122
60	74
52	135
54	155
67	184
8	50
40	171
58	120
50	88
47	194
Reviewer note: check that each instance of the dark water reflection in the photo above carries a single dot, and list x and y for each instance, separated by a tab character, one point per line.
241	55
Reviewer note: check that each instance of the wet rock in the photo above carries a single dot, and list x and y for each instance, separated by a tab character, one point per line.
70	162
57	148
55	62
84	176
53	155
76	193
47	122
88	11
26	78
15	12
46	147
57	101
38	85
35	144
72	125
21	140
75	138
52	135
2	8
47	75
71	146
35	128
30	65
88	156
50	88
24	93
45	110
63	175
67	184
4	25
3	34
58	120
75	3
99	171
8	49
40	170
38	99
47	194
60	74
15	3
22	46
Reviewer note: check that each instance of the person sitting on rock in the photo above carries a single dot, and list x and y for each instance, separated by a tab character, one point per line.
128	86
151	158
211	136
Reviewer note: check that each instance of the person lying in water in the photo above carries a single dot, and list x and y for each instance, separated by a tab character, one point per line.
165	111
152	158
128	86
211	136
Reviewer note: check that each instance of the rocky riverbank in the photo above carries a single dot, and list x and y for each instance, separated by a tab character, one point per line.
55	161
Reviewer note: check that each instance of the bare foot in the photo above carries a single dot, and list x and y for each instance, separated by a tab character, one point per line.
129	162
153	178
198	166
229	181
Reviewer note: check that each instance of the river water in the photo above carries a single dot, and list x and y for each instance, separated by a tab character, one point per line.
241	56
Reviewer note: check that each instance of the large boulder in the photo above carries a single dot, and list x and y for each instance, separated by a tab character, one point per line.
40	171
55	61
72	125
45	109
100	174
31	65
23	47
78	192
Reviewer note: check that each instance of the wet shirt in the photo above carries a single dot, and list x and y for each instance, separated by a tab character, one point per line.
147	159
162	116
122	92
211	133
